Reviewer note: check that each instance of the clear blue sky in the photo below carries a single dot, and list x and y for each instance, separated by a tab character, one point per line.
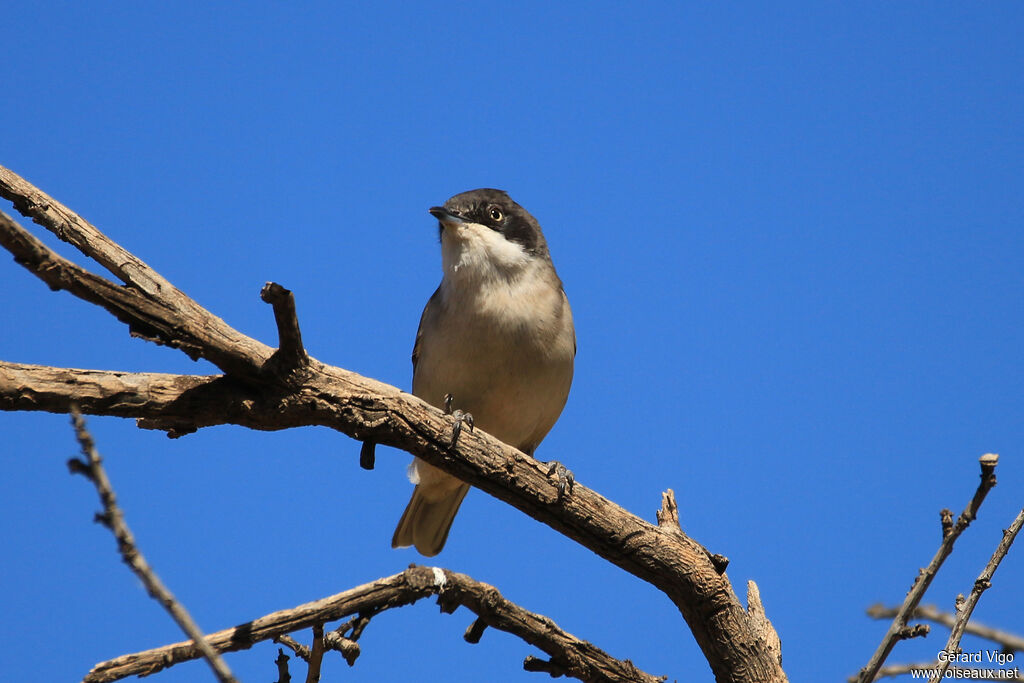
791	236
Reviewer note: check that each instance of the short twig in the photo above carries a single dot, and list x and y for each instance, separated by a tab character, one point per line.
291	354
368	455
283	676
113	519
475	631
983	583
349	649
300	650
897	629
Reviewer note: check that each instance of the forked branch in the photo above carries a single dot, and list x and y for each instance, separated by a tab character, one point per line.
254	392
568	654
899	630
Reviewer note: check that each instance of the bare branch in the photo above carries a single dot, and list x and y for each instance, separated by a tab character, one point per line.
151	307
316	655
283	676
291	355
760	621
371	411
578	658
965	673
981	584
898	630
1008	641
113	519
300	650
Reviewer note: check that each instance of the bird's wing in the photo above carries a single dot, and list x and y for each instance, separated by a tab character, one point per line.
432	303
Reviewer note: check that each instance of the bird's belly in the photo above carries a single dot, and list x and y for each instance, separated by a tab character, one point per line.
514	389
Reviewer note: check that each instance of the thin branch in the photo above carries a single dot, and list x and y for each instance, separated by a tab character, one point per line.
1010	642
898	630
368	410
926	668
300	650
316	655
579	658
113	519
981	584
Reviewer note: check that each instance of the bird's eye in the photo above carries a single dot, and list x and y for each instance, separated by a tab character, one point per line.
496	213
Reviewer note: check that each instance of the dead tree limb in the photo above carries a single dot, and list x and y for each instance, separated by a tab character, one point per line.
254	393
113	518
899	630
964	673
572	656
1010	642
981	584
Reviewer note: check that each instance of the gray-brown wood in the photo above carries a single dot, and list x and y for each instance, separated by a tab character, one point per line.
736	645
91	466
574	657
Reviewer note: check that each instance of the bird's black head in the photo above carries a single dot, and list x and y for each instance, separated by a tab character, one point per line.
495	210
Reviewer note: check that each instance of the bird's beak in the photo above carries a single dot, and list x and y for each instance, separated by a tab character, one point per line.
444	216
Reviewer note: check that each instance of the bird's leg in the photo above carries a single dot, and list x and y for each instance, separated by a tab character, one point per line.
565	478
461	417
562	474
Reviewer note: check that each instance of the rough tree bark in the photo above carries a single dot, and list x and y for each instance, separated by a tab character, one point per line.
266	389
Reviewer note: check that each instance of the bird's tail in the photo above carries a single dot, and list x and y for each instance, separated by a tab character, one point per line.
426	523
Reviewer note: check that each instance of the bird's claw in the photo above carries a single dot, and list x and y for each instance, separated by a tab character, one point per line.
461	418
565	478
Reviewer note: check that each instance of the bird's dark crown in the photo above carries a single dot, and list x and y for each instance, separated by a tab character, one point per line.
496	210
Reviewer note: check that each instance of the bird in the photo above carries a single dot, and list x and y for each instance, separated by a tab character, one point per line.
496	341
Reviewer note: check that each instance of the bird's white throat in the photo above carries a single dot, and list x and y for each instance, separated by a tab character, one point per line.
473	252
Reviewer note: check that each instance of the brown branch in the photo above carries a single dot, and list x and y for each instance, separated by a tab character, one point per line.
300	650
316	655
348	648
1008	641
291	355
153	311
113	519
981	584
203	400
967	673
898	630
367	410
578	658
283	676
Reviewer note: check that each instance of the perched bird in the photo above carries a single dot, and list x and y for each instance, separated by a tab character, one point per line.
496	338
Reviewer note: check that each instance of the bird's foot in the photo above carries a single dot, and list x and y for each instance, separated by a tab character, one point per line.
461	418
565	478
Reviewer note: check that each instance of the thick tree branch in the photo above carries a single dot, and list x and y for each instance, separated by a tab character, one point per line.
577	658
154	311
112	517
899	630
734	644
